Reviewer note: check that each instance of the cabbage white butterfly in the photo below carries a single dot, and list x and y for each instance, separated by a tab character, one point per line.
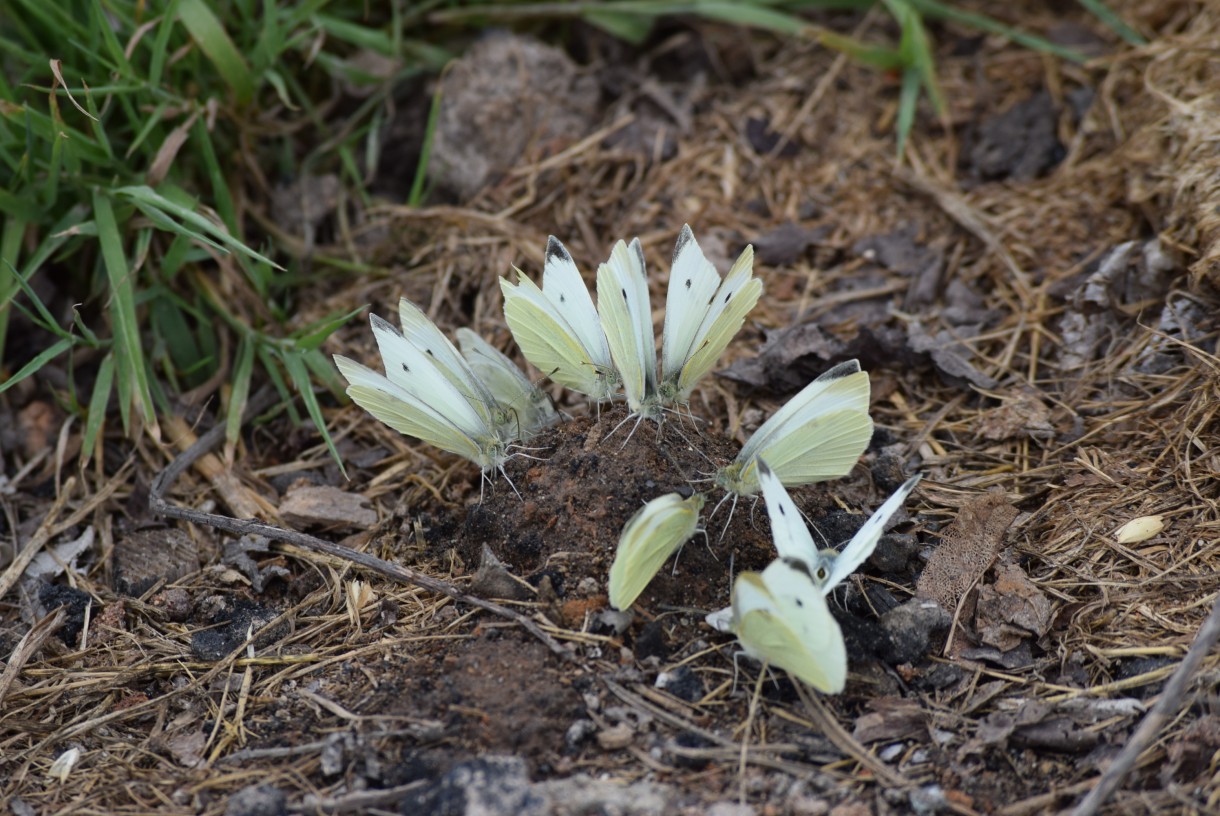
557	326
423	334
780	617
626	318
702	314
648	539
530	405
817	435
827	567
417	398
792	539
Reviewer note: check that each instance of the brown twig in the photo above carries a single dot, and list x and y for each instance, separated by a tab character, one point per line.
158	505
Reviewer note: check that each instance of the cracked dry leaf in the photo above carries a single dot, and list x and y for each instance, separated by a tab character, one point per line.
1026	415
1011	609
968	547
325	506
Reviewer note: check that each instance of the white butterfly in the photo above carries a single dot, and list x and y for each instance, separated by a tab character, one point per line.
416	397
648	539
781	618
817	435
557	326
827	567
702	315
626	319
422	333
792	539
529	405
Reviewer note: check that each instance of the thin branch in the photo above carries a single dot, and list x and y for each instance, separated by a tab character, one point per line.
158	505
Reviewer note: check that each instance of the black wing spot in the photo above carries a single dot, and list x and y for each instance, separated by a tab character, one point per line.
624	291
406	368
782	511
430	354
688	283
563	299
727	296
800	603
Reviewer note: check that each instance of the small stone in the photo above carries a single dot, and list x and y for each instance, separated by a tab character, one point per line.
615	737
910	627
257	800
682	683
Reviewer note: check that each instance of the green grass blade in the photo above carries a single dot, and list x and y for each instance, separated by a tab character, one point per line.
1103	12
299	374
97	405
908	100
33	366
214	41
243	373
157	206
934	8
416	197
10	250
133	375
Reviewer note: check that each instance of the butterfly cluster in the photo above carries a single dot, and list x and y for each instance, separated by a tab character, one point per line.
475	402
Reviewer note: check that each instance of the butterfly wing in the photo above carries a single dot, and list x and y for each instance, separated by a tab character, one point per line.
648	539
722	318
819	434
780	616
422	333
551	344
529	405
411	416
626	318
692	288
865	540
788	530
566	290
721	620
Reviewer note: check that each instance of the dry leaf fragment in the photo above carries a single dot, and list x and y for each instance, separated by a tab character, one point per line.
970	545
1139	529
323	505
1011	609
1026	415
891	719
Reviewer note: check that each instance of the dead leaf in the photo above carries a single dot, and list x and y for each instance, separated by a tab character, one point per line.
901	252
948	353
1024	415
323	505
187	748
784	245
493	580
969	546
1011	609
143	557
892	719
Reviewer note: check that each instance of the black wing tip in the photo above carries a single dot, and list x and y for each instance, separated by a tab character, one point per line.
686	236
382	323
556	249
838	372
